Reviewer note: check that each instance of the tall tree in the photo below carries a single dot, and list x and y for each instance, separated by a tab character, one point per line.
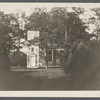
39	20
20	29
58	25
6	35
8	32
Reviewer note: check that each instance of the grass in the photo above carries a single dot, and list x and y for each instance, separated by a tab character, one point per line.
41	79
49	79
45	79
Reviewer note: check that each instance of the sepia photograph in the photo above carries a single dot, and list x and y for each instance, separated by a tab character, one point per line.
49	46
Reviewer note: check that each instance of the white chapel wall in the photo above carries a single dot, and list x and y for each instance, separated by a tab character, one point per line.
33	51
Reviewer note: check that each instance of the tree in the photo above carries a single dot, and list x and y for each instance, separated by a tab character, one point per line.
39	21
58	25
76	28
55	23
6	40
53	26
78	44
9	37
62	21
7	23
19	29
95	22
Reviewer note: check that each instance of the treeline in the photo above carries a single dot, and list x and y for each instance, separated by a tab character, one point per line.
59	28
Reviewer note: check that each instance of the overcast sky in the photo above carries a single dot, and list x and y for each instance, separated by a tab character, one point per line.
27	7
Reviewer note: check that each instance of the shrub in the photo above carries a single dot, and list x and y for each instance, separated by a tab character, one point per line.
81	56
18	59
4	62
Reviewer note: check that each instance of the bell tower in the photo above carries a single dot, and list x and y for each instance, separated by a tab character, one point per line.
33	51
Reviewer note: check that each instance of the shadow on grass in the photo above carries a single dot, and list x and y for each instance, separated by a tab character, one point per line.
25	81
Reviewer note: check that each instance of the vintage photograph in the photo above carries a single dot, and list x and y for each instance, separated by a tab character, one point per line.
49	46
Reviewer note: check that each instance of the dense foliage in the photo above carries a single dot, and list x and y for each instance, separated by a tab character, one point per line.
58	28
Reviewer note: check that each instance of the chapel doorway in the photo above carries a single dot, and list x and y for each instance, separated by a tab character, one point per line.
32	61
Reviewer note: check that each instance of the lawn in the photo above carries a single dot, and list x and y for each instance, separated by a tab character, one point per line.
48	79
38	79
41	79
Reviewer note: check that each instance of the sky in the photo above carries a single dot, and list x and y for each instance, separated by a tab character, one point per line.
27	7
